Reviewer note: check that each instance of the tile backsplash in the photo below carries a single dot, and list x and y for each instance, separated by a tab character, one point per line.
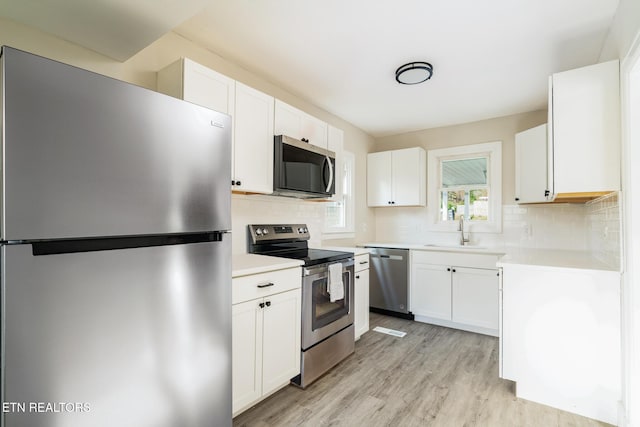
605	228
257	209
593	227
562	226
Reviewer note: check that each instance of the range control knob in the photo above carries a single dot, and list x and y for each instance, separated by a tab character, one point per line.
306	230
300	230
258	231
265	231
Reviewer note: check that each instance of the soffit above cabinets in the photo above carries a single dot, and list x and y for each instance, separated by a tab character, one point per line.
115	28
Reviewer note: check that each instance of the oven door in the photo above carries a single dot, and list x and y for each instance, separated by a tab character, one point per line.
322	318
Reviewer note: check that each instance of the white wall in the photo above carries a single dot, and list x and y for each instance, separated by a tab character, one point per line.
624	29
141	70
622	42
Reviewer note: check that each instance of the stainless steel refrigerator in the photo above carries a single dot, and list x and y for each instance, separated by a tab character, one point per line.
115	252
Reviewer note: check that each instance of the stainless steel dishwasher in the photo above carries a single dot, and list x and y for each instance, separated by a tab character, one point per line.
389	282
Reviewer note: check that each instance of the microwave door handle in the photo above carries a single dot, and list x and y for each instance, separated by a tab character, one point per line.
328	160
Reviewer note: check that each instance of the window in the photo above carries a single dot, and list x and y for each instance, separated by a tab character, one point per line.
466	181
464	189
339	214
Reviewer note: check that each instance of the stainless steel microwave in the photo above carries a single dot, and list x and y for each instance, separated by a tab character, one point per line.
302	170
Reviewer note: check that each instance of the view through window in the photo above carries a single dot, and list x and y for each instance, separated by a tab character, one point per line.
464	189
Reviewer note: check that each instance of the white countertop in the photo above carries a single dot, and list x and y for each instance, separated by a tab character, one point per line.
553	258
246	264
440	248
356	250
517	256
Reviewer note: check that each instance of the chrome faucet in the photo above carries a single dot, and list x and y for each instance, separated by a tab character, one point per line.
463	241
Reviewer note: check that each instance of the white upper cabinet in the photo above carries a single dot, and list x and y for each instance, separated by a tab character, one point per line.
196	83
252	116
397	178
253	145
531	165
297	124
584	130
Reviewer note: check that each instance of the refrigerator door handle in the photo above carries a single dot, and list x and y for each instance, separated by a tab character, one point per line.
66	246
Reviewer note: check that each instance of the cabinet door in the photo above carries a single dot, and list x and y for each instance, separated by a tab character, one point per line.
281	339
475	297
253	144
379	179
297	124
431	291
247	353
314	130
586	129
361	319
531	165
408	177
208	88
287	120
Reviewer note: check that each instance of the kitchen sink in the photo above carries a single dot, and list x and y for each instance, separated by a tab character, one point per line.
461	247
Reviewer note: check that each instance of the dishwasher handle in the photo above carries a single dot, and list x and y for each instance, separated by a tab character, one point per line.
392	257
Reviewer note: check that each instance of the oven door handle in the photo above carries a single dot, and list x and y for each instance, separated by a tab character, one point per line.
323	270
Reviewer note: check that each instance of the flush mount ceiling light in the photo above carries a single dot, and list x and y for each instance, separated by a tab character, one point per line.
414	73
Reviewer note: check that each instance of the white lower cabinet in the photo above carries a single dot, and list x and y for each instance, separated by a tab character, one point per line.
560	337
476	297
266	334
431	290
457	290
361	320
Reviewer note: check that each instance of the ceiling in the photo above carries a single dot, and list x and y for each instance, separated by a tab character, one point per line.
490	58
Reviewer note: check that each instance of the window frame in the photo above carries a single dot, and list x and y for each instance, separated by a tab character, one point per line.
493	152
347	159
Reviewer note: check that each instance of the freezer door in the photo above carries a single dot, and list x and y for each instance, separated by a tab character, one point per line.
137	337
86	156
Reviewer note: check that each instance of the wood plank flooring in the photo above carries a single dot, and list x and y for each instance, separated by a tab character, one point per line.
434	376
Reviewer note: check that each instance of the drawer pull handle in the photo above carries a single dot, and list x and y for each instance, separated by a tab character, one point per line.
364	262
265	285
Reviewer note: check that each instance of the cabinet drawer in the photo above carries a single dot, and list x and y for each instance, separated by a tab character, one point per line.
455	258
246	288
361	262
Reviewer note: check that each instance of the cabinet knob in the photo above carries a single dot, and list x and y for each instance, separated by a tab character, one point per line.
393	203
233	182
238	183
261	305
268	303
454	270
517	199
448	269
358	276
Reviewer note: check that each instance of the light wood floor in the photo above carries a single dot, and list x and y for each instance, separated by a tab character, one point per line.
434	376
